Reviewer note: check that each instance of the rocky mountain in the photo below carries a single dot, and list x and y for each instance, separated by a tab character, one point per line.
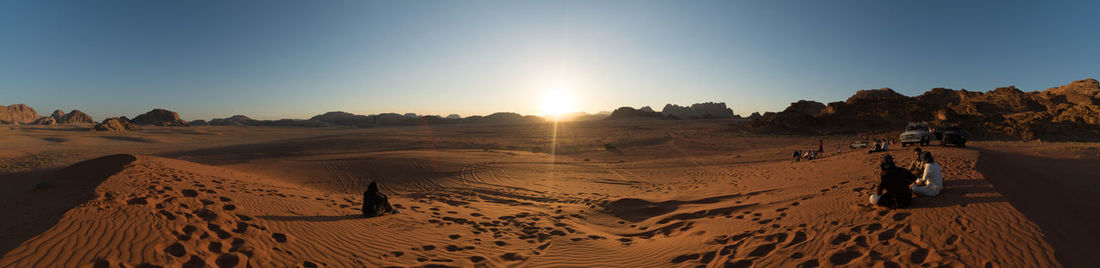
72	118
698	110
454	116
114	124
76	117
160	117
17	114
626	112
236	120
1069	112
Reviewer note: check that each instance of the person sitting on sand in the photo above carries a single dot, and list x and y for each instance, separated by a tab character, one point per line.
931	183
797	156
917	165
878	147
895	181
374	203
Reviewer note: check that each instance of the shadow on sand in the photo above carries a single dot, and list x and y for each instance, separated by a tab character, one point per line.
311	218
36	200
1058	195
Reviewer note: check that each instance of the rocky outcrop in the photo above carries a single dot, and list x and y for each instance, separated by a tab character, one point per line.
236	120
160	117
76	117
17	114
114	124
454	116
1069	112
698	110
199	122
627	112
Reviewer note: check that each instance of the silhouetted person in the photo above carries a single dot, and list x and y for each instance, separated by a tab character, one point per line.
374	203
820	146
895	181
931	183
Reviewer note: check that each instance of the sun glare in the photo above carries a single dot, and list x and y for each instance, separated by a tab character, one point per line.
558	101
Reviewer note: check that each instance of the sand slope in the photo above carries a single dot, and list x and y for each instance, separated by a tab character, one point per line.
520	210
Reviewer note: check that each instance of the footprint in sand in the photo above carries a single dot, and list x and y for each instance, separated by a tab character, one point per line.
511	256
685	257
215	247
844	257
809	264
799	237
951	240
176	249
279	237
743	263
227	260
762	250
137	201
918	256
841	238
901	216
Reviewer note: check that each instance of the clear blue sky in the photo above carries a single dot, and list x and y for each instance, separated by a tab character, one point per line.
295	59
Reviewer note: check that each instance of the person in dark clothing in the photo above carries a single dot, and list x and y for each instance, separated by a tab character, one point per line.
895	181
821	146
374	203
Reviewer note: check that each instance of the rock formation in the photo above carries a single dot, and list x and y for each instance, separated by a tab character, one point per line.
698	110
1069	112
114	124
236	120
626	112
72	118
17	114
160	117
76	117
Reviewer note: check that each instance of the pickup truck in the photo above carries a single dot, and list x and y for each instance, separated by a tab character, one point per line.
916	134
954	136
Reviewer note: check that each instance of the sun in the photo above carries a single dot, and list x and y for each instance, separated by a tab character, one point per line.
558	101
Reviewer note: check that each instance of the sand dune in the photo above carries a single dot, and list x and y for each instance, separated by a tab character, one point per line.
672	195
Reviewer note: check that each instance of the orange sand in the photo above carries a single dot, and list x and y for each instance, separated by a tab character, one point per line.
681	193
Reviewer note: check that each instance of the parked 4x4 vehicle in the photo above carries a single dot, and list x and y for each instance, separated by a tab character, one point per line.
916	133
954	136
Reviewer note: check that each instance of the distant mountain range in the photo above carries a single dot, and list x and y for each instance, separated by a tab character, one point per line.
1068	112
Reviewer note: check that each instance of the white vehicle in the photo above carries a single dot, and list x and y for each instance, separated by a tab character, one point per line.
916	133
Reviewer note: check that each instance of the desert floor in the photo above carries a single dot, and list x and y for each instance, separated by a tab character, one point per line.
584	194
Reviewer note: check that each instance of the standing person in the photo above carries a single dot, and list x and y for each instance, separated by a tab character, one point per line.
932	182
821	146
374	203
796	156
895	181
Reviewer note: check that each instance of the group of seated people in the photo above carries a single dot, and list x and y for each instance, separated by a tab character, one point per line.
881	145
899	183
800	155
